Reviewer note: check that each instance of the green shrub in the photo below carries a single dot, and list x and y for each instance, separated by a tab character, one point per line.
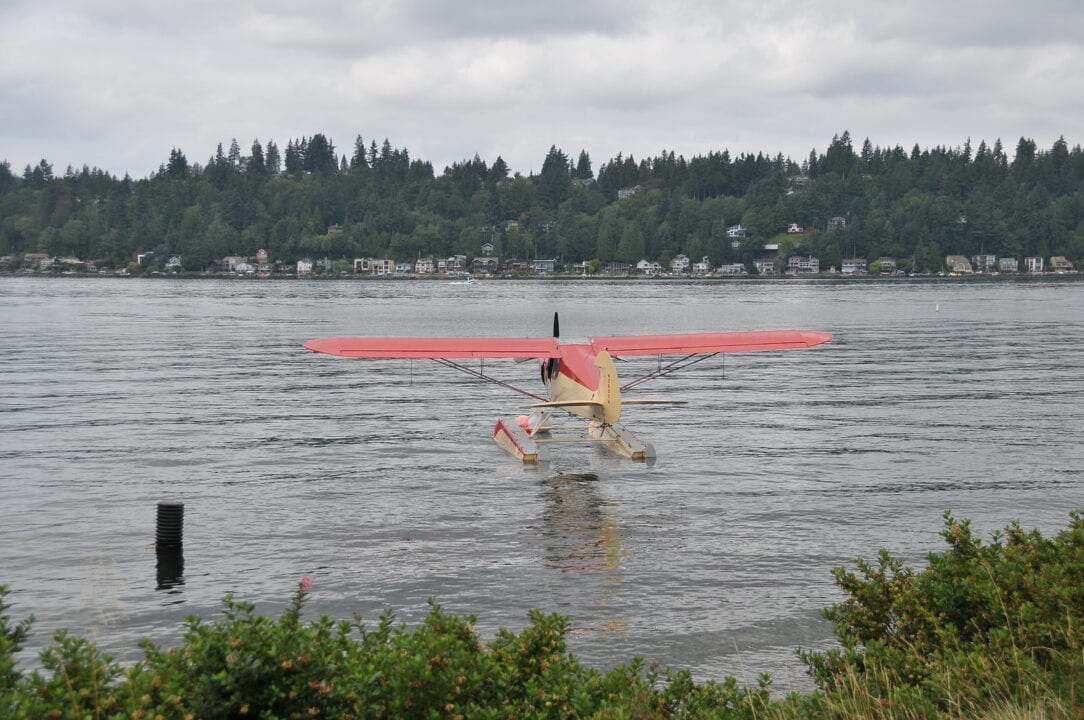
982	624
986	630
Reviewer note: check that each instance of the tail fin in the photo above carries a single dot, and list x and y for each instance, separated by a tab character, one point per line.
609	389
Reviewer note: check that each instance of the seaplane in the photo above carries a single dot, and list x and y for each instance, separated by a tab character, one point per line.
580	378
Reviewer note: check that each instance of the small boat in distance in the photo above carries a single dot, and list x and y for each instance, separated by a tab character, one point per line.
466	281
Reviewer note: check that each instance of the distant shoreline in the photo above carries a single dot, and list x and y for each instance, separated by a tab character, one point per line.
975	277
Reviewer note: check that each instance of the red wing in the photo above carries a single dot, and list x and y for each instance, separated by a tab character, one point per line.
435	348
694	343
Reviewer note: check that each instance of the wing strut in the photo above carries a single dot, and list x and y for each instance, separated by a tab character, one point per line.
664	370
481	375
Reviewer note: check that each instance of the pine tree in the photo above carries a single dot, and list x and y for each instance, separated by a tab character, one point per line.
555	180
177	167
256	162
583	167
274	161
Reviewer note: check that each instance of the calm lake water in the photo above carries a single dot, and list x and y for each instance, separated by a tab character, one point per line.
381	480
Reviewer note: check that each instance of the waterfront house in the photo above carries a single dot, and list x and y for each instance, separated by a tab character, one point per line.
33	261
544	267
984	263
424	266
304	267
854	266
617	268
454	264
404	269
1060	264
732	269
886	265
958	264
765	266
230	262
1034	264
1008	264
680	264
703	267
648	267
383	266
517	266
798	265
486	264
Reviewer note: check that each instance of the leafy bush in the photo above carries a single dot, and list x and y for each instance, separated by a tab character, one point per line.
982	624
989	630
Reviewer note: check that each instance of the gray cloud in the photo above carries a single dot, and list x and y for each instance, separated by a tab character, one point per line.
117	84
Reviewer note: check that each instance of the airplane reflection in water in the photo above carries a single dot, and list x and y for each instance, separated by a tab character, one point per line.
583	535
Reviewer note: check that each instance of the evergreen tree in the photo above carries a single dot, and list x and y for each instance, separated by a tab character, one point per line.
358	161
256	162
555	180
234	156
177	167
583	167
7	178
273	160
293	161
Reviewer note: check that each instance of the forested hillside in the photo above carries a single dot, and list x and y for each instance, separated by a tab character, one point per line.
380	202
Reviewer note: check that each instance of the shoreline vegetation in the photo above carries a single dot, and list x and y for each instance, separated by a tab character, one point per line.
375	208
986	630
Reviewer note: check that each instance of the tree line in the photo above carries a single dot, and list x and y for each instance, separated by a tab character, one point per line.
309	199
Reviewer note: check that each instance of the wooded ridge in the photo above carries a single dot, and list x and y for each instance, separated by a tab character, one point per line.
311	201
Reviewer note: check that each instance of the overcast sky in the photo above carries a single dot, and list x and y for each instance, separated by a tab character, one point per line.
116	84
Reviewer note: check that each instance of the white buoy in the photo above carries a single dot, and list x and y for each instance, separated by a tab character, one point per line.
937	308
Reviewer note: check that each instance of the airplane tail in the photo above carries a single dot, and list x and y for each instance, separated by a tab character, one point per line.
609	389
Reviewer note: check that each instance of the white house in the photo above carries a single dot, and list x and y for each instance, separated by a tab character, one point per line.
958	264
795	229
736	231
304	267
648	267
984	263
798	265
765	266
424	266
854	266
680	264
732	269
383	266
1034	264
232	261
703	267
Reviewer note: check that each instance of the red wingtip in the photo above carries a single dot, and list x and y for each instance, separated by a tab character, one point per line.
813	337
